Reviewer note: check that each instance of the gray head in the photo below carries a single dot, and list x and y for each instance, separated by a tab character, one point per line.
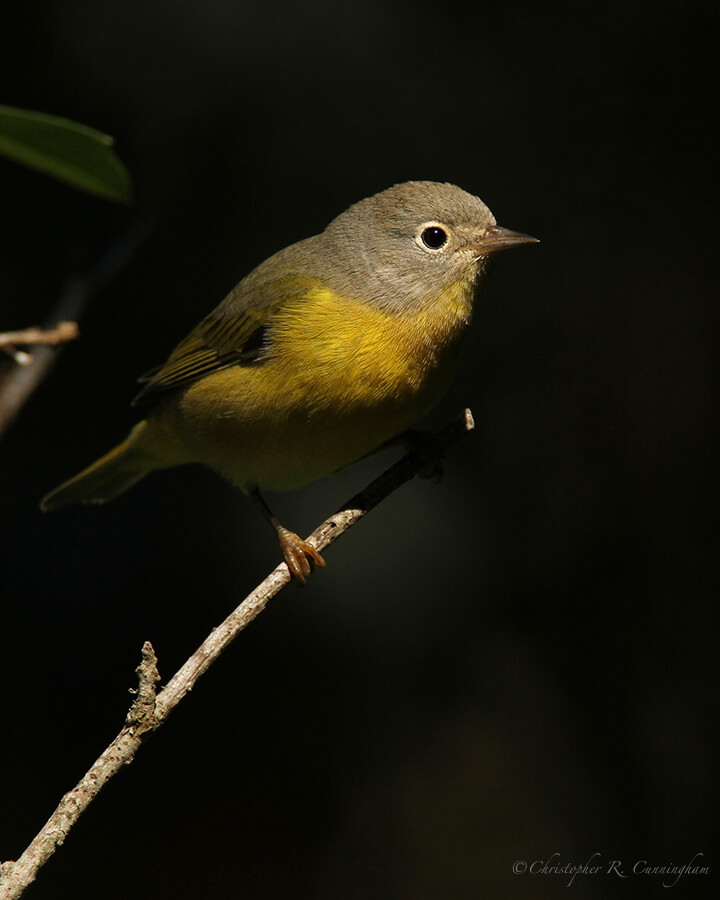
404	245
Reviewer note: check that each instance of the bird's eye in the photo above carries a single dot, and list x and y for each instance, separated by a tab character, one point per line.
434	237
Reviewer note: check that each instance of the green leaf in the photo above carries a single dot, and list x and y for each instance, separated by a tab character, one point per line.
73	153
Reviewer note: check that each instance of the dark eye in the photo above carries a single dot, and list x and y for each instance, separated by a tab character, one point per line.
434	237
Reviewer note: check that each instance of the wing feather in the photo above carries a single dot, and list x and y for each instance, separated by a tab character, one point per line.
236	332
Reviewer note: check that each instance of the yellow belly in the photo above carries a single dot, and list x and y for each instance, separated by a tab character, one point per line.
341	379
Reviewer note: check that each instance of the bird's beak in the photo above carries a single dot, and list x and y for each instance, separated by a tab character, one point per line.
497	238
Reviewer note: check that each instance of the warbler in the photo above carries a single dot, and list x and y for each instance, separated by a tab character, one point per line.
327	350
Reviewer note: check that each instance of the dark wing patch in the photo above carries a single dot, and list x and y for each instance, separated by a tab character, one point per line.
194	358
234	333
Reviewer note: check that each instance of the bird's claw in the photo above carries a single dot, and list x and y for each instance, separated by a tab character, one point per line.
298	554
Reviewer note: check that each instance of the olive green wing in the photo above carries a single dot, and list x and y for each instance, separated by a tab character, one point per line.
236	332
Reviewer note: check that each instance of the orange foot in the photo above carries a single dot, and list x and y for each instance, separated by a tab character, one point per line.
296	552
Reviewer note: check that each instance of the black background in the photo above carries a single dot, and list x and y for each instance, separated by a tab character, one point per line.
515	663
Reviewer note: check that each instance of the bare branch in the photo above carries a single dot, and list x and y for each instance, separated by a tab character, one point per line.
48	337
16	876
149	711
17	385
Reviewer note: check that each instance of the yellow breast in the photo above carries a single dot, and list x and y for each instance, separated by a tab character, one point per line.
342	378
340	352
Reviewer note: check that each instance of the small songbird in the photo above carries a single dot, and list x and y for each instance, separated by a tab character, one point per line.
327	350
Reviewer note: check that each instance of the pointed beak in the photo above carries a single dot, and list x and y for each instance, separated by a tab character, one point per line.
497	238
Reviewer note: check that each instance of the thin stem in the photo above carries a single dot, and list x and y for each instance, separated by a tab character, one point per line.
18	385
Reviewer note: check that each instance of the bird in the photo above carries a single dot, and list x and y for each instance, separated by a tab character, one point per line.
328	350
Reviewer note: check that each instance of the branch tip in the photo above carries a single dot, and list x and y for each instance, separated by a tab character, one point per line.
27	337
141	715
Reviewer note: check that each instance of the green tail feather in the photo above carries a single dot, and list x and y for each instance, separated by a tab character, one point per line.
105	479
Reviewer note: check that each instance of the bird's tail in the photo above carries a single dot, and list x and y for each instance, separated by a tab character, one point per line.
107	478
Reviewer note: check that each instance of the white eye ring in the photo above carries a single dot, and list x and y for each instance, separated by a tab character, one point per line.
432	237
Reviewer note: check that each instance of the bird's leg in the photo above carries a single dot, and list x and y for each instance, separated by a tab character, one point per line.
425	446
295	550
422	444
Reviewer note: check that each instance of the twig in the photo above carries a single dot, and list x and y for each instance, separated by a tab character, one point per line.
47	337
17	385
16	876
149	711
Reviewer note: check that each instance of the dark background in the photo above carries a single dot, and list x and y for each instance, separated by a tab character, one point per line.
515	663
